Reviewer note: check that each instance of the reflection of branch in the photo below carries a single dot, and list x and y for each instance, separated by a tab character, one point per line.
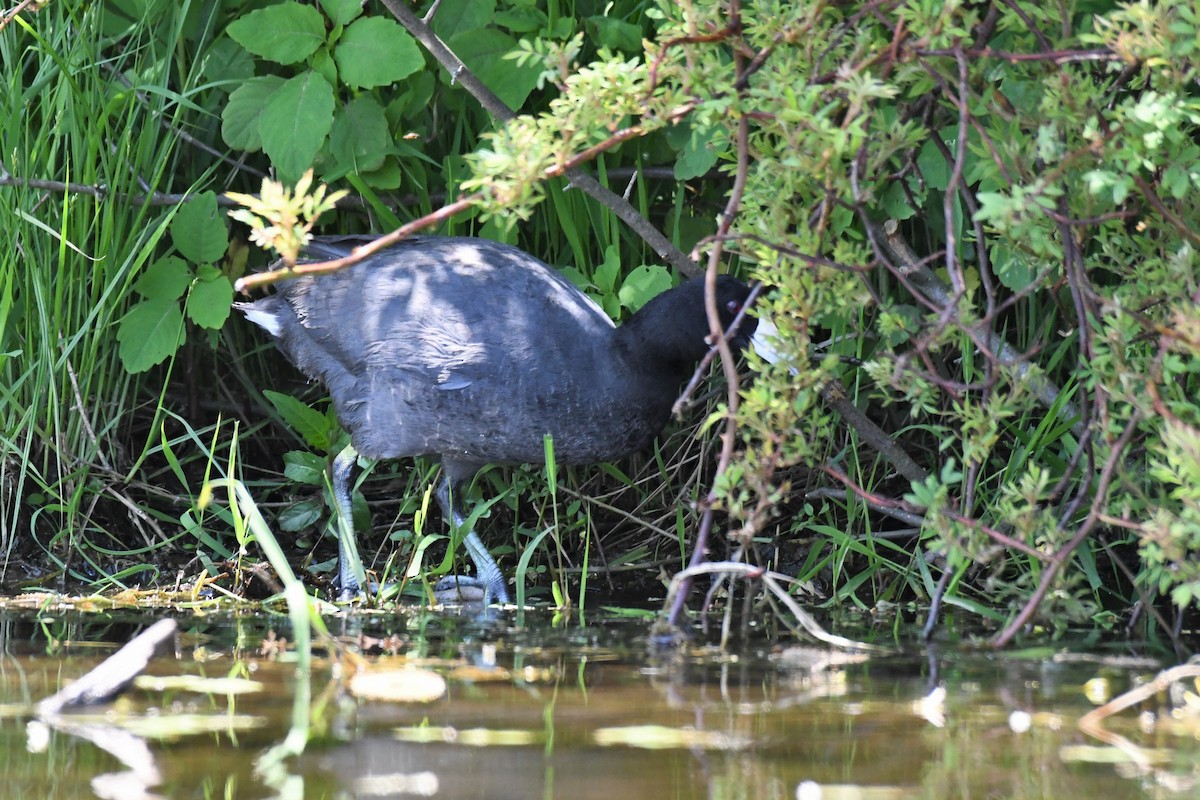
100	685
129	749
113	674
773	582
1091	723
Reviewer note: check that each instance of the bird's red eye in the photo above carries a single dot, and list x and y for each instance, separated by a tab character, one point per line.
733	307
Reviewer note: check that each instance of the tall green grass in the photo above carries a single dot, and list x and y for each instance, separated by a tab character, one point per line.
67	408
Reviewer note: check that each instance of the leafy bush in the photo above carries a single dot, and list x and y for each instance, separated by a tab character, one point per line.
978	223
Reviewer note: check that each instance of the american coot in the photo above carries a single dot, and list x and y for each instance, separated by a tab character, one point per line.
473	351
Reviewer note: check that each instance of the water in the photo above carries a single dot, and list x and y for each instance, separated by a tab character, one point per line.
569	711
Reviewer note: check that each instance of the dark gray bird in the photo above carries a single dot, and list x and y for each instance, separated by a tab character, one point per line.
474	351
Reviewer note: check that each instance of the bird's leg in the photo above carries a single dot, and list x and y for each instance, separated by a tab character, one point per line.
488	576
350	569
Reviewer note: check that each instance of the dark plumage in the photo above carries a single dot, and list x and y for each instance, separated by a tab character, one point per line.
472	351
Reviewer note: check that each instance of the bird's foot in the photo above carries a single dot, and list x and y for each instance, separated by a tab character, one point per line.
468	589
351	592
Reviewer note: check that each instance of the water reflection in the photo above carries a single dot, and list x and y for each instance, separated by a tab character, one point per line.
572	712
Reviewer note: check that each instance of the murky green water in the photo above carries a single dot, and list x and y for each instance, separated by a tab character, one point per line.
567	712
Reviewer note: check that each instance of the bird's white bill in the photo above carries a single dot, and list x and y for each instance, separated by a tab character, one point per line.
765	341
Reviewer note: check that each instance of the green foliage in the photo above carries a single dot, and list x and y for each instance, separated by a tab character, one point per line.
291	119
153	329
69	434
318	430
990	208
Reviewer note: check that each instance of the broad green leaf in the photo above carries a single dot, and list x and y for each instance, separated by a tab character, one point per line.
151	332
294	123
576	276
299	516
198	230
521	19
360	138
376	52
311	424
208	303
322	64
895	201
484	51
302	467
285	33
240	117
934	167
388	176
1011	267
699	154
459	16
165	279
342	12
605	275
227	62
614	34
643	283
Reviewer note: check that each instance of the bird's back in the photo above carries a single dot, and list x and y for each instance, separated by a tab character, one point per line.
460	347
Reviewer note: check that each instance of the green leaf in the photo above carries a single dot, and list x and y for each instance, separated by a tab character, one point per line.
934	167
484	52
151	332
576	276
284	33
605	276
208	303
312	425
643	283
342	12
388	176
198	230
294	123
521	19
360	138
993	206
375	52
227	62
165	279
302	467
614	34
895	200
240	117
1011	267
322	64
299	516
459	16
699	154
